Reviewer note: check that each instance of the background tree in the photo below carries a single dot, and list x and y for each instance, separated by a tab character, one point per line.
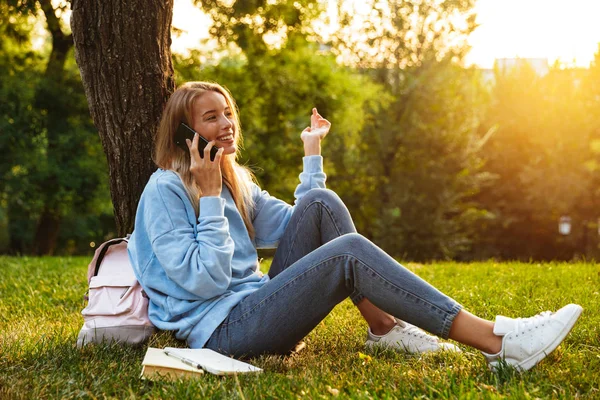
275	97
417	137
590	86
51	168
248	23
542	158
420	157
123	53
277	85
401	35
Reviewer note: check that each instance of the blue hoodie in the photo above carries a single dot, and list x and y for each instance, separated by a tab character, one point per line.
196	270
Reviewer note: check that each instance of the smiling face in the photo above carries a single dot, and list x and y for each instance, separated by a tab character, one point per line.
213	119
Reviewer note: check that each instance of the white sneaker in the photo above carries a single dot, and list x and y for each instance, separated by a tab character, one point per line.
526	341
407	337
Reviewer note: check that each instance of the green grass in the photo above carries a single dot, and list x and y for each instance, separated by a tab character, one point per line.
41	300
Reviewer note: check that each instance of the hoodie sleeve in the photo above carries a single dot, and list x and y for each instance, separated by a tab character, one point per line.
272	215
198	260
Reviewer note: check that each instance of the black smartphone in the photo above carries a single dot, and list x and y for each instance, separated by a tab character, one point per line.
185	132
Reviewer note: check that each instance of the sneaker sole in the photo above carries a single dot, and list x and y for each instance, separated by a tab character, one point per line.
539	356
411	350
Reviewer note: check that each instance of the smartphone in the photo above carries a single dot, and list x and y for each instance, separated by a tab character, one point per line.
185	132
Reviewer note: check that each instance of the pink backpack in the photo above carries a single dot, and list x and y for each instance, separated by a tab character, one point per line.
117	308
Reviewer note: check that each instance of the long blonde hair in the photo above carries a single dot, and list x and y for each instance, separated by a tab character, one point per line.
168	156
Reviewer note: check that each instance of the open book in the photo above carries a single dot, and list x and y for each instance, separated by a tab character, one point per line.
172	363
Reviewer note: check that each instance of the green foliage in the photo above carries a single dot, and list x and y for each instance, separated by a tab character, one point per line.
424	166
402	150
14	16
544	163
275	94
430	163
53	161
247	23
402	34
40	301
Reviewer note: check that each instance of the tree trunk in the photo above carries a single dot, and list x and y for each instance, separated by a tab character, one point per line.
123	52
48	225
46	234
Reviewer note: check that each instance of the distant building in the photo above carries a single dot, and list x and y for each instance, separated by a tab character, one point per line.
504	65
488	76
539	65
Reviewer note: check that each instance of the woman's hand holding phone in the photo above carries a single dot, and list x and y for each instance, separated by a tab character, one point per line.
312	136
206	173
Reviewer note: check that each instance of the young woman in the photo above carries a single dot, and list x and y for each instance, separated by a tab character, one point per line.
199	223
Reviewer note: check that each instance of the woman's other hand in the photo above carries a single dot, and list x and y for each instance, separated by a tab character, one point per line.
312	136
206	173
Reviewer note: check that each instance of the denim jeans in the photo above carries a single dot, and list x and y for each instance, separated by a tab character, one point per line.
321	261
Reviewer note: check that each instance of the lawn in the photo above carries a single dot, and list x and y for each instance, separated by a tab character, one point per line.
41	300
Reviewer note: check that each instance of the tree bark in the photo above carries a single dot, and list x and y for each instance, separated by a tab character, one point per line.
123	52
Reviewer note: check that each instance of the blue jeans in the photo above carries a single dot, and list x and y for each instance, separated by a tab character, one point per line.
321	261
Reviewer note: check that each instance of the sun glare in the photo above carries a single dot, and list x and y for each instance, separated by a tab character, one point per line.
566	32
192	25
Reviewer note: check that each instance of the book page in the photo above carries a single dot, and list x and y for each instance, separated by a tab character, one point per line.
157	358
213	362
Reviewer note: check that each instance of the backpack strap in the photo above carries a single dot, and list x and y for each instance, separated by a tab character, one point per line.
105	249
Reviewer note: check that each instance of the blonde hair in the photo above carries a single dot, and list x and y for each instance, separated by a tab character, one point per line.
168	156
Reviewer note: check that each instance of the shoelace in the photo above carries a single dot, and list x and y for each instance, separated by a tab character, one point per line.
523	324
418	333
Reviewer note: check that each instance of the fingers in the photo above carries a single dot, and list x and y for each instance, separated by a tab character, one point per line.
219	155
315	115
316	119
193	147
206	172
207	150
319	126
196	158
